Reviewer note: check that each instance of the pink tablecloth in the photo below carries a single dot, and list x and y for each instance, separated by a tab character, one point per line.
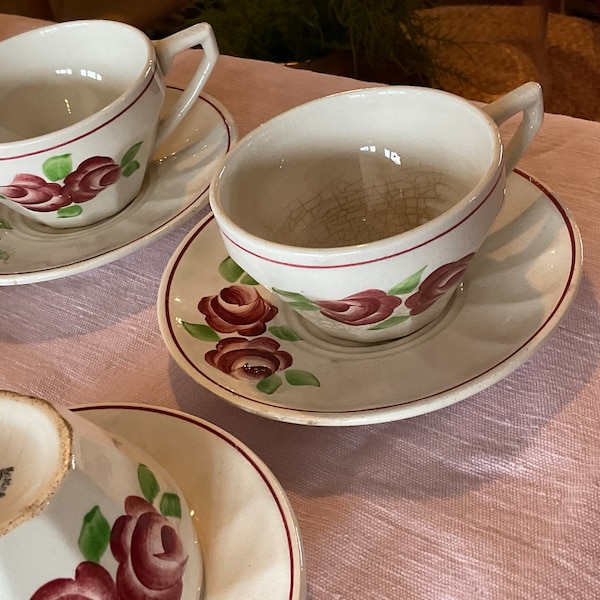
496	497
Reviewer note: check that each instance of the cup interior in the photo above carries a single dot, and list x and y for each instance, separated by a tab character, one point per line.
34	446
356	168
54	77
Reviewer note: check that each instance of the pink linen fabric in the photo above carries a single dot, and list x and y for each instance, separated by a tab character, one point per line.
494	498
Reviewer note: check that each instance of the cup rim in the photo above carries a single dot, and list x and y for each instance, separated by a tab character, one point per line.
64	435
426	231
65	135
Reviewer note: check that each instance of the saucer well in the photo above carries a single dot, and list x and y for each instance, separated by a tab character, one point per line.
174	189
248	534
514	293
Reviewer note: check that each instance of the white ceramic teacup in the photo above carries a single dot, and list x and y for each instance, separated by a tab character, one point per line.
80	104
362	210
86	515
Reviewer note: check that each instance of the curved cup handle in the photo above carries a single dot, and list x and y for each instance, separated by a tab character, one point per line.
527	99
166	49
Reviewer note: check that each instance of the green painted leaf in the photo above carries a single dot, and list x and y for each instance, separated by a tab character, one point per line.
94	535
130	168
5	224
291	295
408	285
170	505
249	280
389	322
148	483
283	332
130	154
297	301
269	384
4	255
303	305
56	168
73	210
230	270
299	377
201	332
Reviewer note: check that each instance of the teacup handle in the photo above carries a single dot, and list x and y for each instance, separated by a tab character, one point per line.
527	99
166	49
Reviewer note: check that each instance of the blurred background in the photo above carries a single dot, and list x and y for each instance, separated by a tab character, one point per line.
477	49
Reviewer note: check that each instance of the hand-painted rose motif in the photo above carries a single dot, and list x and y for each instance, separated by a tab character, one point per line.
80	185
436	284
364	308
144	543
237	309
35	193
90	178
91	582
150	554
244	359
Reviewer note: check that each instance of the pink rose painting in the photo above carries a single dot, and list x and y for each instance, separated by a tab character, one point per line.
436	284
377	308
149	552
258	358
363	308
241	310
237	309
145	543
91	582
254	355
80	185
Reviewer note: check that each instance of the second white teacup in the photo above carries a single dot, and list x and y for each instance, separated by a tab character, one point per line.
362	210
80	103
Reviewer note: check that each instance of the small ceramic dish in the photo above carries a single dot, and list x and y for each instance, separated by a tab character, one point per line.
84	514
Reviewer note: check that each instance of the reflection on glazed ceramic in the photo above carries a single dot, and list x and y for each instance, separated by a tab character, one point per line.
84	183
146	546
240	309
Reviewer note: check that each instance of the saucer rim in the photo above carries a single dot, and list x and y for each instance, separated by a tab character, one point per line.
297	588
391	412
197	199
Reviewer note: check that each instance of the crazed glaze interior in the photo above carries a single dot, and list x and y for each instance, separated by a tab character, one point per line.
387	161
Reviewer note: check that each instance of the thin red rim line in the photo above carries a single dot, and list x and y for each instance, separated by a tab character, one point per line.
372	260
231	441
79	137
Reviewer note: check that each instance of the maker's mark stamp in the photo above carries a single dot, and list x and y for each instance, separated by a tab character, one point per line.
5	479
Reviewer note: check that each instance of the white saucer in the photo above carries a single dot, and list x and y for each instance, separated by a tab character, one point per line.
515	292
175	188
250	542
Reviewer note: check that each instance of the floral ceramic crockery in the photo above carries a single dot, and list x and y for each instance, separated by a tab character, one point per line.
365	226
79	185
82	118
96	517
248	346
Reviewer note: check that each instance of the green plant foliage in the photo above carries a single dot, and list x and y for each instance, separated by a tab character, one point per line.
375	33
